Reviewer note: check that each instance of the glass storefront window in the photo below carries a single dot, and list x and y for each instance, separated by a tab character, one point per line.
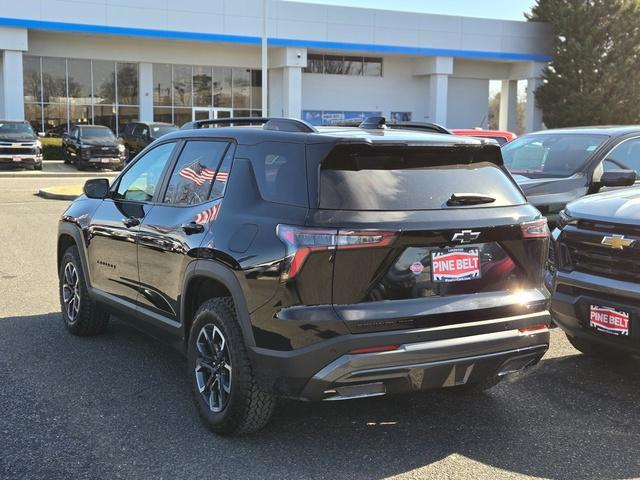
33	115
353	65
182	87
79	72
182	116
31	79
222	87
241	88
372	67
104	82
202	87
128	83
80	114
126	115
256	89
55	115
105	115
54	80
161	84
163	114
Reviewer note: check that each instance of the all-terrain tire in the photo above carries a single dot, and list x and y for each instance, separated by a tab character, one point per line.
248	408
91	318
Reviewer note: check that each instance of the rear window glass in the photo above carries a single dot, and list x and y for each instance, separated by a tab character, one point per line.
281	172
415	188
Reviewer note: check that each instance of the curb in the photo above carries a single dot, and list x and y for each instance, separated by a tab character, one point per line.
43	193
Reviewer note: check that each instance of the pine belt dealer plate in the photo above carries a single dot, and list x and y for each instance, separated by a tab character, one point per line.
609	320
455	265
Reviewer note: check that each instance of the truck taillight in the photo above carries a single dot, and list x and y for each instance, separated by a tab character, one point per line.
535	229
302	241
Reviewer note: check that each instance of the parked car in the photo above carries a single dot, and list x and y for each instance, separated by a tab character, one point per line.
555	167
137	135
500	136
595	272
93	146
319	264
19	145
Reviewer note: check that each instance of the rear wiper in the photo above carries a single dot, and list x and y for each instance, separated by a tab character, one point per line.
468	199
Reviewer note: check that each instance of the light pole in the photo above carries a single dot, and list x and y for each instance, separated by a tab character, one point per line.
265	61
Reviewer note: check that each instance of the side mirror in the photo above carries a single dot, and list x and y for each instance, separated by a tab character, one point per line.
96	188
618	178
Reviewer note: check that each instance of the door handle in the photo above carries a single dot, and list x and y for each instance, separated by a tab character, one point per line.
193	227
131	222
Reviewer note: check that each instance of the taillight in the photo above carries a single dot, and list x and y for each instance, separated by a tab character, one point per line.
535	229
301	241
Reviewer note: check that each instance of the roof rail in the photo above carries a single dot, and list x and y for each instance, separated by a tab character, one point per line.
273	123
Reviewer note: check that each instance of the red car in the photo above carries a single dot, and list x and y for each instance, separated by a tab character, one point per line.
500	136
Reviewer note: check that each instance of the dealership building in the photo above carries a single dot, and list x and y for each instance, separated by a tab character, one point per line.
112	61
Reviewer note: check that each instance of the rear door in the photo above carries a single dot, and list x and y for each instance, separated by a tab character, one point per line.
172	231
452	225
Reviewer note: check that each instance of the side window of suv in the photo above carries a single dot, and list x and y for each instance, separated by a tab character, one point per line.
280	172
139	183
624	155
193	175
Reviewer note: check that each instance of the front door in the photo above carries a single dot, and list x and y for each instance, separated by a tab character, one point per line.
113	233
176	226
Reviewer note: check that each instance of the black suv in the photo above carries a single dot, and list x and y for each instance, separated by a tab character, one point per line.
93	146
595	273
319	264
19	145
137	135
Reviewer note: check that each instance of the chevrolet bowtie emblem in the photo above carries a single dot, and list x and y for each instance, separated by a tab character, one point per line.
465	236
617	242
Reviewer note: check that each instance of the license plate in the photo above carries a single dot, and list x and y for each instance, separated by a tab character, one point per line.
106	160
455	265
609	320
17	159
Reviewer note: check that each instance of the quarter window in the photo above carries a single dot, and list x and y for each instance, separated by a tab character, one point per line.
139	183
280	172
194	172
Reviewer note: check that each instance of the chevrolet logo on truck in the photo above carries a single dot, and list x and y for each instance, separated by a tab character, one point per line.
617	242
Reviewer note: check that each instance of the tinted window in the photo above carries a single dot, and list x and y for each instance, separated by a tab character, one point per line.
139	182
97	133
222	177
550	154
194	172
625	156
16	130
280	172
396	179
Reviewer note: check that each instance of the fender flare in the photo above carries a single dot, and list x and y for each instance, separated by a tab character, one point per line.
227	277
70	229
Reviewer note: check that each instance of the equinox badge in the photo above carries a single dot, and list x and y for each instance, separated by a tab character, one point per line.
465	236
617	242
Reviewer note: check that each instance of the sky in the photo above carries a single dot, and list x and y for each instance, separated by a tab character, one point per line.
499	9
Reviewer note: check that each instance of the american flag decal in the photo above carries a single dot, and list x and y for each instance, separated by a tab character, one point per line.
197	173
208	215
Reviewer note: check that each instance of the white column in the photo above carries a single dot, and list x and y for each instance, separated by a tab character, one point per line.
292	92
12	86
533	115
438	91
509	105
145	89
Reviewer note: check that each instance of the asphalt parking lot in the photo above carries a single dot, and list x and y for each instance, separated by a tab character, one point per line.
118	406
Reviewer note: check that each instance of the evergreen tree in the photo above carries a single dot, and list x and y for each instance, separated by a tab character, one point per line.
594	78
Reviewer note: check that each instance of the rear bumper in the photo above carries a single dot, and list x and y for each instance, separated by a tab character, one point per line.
426	358
575	291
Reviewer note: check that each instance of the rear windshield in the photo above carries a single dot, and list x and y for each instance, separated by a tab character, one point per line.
394	184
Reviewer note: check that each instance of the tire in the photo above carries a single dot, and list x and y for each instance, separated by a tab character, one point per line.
225	392
85	317
37	166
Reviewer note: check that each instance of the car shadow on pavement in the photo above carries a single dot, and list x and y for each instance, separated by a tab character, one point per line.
119	405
